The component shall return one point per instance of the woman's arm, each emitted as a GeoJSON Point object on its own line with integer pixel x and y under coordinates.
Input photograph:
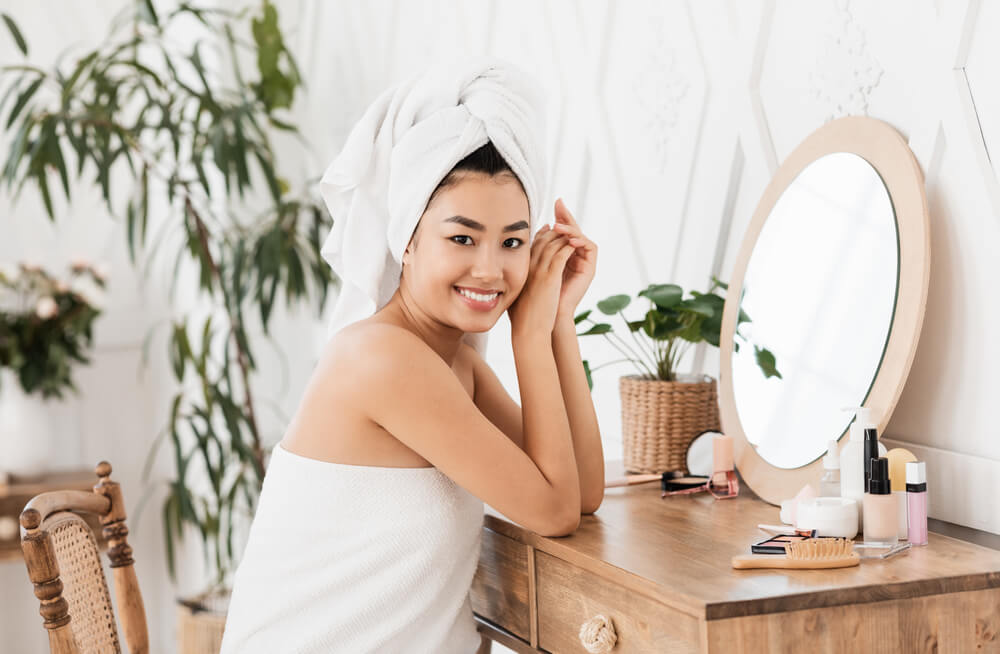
{"type": "Point", "coordinates": [580, 410]}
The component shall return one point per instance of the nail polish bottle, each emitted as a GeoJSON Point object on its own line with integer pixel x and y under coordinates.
{"type": "Point", "coordinates": [880, 521]}
{"type": "Point", "coordinates": [916, 502]}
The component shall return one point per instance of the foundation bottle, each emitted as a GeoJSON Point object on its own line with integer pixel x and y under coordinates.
{"type": "Point", "coordinates": [880, 519]}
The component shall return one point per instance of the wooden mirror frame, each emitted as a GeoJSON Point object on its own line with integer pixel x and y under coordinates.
{"type": "Point", "coordinates": [888, 153]}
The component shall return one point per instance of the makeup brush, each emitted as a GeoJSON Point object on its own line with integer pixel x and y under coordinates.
{"type": "Point", "coordinates": [814, 553]}
{"type": "Point", "coordinates": [628, 480]}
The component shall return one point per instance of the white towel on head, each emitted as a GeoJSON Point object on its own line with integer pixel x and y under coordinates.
{"type": "Point", "coordinates": [403, 146]}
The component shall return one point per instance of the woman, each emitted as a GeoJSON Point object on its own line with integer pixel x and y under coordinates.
{"type": "Point", "coordinates": [367, 532]}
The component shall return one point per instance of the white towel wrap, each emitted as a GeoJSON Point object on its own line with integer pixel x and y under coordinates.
{"type": "Point", "coordinates": [403, 146]}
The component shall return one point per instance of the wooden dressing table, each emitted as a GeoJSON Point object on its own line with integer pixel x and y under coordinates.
{"type": "Point", "coordinates": [660, 570]}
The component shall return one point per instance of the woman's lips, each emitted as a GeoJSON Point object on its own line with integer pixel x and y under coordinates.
{"type": "Point", "coordinates": [476, 304]}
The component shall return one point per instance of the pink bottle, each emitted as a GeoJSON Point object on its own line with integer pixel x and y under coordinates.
{"type": "Point", "coordinates": [916, 502]}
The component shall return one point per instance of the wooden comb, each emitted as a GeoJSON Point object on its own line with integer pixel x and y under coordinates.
{"type": "Point", "coordinates": [814, 553]}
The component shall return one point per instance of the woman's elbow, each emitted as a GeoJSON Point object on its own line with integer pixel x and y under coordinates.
{"type": "Point", "coordinates": [565, 527]}
{"type": "Point", "coordinates": [591, 502]}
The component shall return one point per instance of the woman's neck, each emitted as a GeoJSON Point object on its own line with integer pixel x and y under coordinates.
{"type": "Point", "coordinates": [403, 311]}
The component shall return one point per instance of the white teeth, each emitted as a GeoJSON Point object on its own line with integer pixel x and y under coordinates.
{"type": "Point", "coordinates": [477, 296]}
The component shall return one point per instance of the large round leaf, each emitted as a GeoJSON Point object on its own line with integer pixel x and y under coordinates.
{"type": "Point", "coordinates": [612, 305]}
{"type": "Point", "coordinates": [663, 295]}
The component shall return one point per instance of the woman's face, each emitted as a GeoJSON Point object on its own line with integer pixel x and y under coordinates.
{"type": "Point", "coordinates": [468, 259]}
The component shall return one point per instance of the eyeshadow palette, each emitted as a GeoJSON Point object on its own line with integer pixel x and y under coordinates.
{"type": "Point", "coordinates": [776, 544]}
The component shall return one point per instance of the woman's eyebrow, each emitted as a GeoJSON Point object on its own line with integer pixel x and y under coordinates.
{"type": "Point", "coordinates": [472, 224]}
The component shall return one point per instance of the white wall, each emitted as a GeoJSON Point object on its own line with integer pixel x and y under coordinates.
{"type": "Point", "coordinates": [669, 119]}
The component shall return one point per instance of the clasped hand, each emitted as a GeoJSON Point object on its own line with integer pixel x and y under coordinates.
{"type": "Point", "coordinates": [563, 263]}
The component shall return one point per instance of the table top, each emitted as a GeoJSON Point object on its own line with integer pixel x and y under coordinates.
{"type": "Point", "coordinates": [678, 549]}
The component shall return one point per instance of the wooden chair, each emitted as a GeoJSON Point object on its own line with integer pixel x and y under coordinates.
{"type": "Point", "coordinates": [64, 564]}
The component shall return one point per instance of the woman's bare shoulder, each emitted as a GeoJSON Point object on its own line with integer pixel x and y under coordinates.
{"type": "Point", "coordinates": [365, 343]}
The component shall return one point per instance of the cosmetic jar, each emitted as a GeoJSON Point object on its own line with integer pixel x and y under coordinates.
{"type": "Point", "coordinates": [834, 517]}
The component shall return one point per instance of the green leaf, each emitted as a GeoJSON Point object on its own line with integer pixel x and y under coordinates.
{"type": "Point", "coordinates": [586, 370]}
{"type": "Point", "coordinates": [691, 331]}
{"type": "Point", "coordinates": [23, 100]}
{"type": "Point", "coordinates": [272, 180]}
{"type": "Point", "coordinates": [55, 151]}
{"type": "Point", "coordinates": [171, 517]}
{"type": "Point", "coordinates": [718, 283]}
{"type": "Point", "coordinates": [599, 328]}
{"type": "Point", "coordinates": [16, 33]}
{"type": "Point", "coordinates": [81, 65]}
{"type": "Point", "coordinates": [661, 325]}
{"type": "Point", "coordinates": [611, 305]}
{"type": "Point", "coordinates": [765, 359]}
{"type": "Point", "coordinates": [43, 186]}
{"type": "Point", "coordinates": [635, 325]}
{"type": "Point", "coordinates": [698, 306]}
{"type": "Point", "coordinates": [148, 13]}
{"type": "Point", "coordinates": [130, 221]}
{"type": "Point", "coordinates": [664, 296]}
{"type": "Point", "coordinates": [280, 124]}
{"type": "Point", "coordinates": [581, 317]}
{"type": "Point", "coordinates": [180, 351]}
{"type": "Point", "coordinates": [711, 328]}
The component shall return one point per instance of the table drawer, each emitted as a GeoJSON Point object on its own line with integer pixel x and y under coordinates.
{"type": "Point", "coordinates": [500, 588]}
{"type": "Point", "coordinates": [569, 596]}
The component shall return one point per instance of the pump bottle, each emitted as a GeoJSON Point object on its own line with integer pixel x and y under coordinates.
{"type": "Point", "coordinates": [852, 459]}
{"type": "Point", "coordinates": [829, 484]}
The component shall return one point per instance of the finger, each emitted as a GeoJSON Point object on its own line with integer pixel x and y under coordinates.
{"type": "Point", "coordinates": [585, 244]}
{"type": "Point", "coordinates": [550, 250]}
{"type": "Point", "coordinates": [563, 228]}
{"type": "Point", "coordinates": [563, 214]}
{"type": "Point", "coordinates": [539, 245]}
{"type": "Point", "coordinates": [560, 258]}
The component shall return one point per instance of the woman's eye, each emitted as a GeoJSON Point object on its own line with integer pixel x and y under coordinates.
{"type": "Point", "coordinates": [517, 242]}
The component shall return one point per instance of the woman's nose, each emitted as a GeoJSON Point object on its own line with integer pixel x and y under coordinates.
{"type": "Point", "coordinates": [487, 264]}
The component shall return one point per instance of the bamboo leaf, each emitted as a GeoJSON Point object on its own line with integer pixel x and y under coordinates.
{"type": "Point", "coordinates": [43, 186]}
{"type": "Point", "coordinates": [23, 100]}
{"type": "Point", "coordinates": [81, 65]}
{"type": "Point", "coordinates": [148, 13]}
{"type": "Point", "coordinates": [272, 180]}
{"type": "Point", "coordinates": [16, 33]}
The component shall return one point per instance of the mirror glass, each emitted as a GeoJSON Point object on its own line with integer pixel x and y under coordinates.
{"type": "Point", "coordinates": [819, 293]}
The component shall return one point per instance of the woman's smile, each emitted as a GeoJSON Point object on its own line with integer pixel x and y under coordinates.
{"type": "Point", "coordinates": [478, 300]}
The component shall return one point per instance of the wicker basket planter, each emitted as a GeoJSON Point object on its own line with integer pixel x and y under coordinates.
{"type": "Point", "coordinates": [200, 623]}
{"type": "Point", "coordinates": [661, 418]}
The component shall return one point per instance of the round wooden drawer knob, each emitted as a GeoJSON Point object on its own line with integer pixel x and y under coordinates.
{"type": "Point", "coordinates": [598, 635]}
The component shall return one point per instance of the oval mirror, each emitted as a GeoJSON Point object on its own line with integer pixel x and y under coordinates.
{"type": "Point", "coordinates": [830, 281]}
{"type": "Point", "coordinates": [819, 291]}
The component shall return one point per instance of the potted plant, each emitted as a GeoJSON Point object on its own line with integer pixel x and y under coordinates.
{"type": "Point", "coordinates": [195, 139]}
{"type": "Point", "coordinates": [663, 410]}
{"type": "Point", "coordinates": [46, 328]}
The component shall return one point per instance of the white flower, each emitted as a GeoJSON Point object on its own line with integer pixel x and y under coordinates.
{"type": "Point", "coordinates": [79, 264]}
{"type": "Point", "coordinates": [88, 290]}
{"type": "Point", "coordinates": [9, 273]}
{"type": "Point", "coordinates": [102, 271]}
{"type": "Point", "coordinates": [46, 308]}
{"type": "Point", "coordinates": [61, 286]}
